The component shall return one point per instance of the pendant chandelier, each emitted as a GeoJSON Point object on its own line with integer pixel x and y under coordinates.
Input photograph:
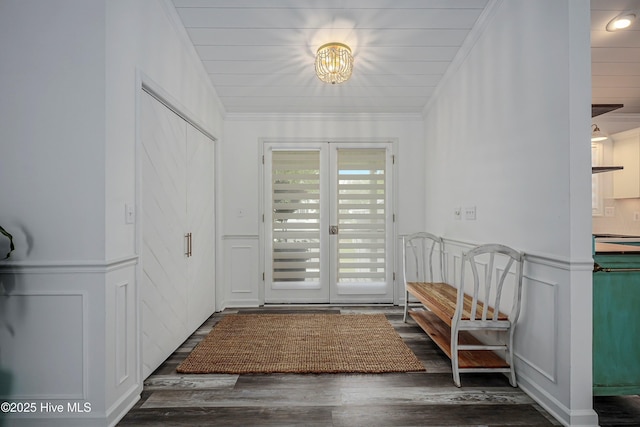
{"type": "Point", "coordinates": [334, 63]}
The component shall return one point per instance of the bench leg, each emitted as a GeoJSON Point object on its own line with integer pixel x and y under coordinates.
{"type": "Point", "coordinates": [454, 357]}
{"type": "Point", "coordinates": [509, 356]}
{"type": "Point", "coordinates": [406, 306]}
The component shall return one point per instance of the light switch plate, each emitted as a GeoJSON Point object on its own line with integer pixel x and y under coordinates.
{"type": "Point", "coordinates": [457, 213]}
{"type": "Point", "coordinates": [129, 214]}
{"type": "Point", "coordinates": [609, 211]}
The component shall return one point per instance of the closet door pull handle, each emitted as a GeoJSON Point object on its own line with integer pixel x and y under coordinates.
{"type": "Point", "coordinates": [190, 244]}
{"type": "Point", "coordinates": [188, 241]}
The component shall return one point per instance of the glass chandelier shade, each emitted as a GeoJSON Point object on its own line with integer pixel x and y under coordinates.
{"type": "Point", "coordinates": [334, 63]}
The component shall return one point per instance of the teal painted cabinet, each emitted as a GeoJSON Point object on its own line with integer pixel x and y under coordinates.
{"type": "Point", "coordinates": [616, 325]}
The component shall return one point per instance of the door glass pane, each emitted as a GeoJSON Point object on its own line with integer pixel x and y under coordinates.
{"type": "Point", "coordinates": [361, 215]}
{"type": "Point", "coordinates": [296, 216]}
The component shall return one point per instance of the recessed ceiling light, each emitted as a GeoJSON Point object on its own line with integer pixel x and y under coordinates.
{"type": "Point", "coordinates": [622, 21]}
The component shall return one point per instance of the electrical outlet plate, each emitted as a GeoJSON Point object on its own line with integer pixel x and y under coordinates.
{"type": "Point", "coordinates": [470, 213]}
{"type": "Point", "coordinates": [610, 211]}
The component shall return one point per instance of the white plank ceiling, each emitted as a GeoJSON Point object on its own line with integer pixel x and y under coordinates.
{"type": "Point", "coordinates": [615, 56]}
{"type": "Point", "coordinates": [259, 53]}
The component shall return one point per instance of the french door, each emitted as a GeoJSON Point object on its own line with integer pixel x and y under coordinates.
{"type": "Point", "coordinates": [328, 223]}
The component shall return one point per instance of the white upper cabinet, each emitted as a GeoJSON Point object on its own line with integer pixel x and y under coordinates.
{"type": "Point", "coordinates": [626, 153]}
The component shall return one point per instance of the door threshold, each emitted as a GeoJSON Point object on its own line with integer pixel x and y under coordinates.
{"type": "Point", "coordinates": [315, 305]}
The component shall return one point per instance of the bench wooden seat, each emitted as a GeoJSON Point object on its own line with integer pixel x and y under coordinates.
{"type": "Point", "coordinates": [449, 316]}
{"type": "Point", "coordinates": [441, 298]}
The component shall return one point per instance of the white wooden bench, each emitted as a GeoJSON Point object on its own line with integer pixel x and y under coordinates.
{"type": "Point", "coordinates": [452, 315]}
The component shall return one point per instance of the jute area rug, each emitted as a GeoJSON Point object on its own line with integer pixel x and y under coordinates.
{"type": "Point", "coordinates": [301, 343]}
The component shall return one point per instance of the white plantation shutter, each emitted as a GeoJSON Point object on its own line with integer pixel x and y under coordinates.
{"type": "Point", "coordinates": [361, 215]}
{"type": "Point", "coordinates": [296, 216]}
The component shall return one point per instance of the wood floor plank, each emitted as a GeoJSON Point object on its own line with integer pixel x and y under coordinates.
{"type": "Point", "coordinates": [178, 382]}
{"type": "Point", "coordinates": [433, 396]}
{"type": "Point", "coordinates": [618, 410]}
{"type": "Point", "coordinates": [261, 397]}
{"type": "Point", "coordinates": [438, 415]}
{"type": "Point", "coordinates": [395, 399]}
{"type": "Point", "coordinates": [258, 416]}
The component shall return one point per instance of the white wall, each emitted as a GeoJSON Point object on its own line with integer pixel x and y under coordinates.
{"type": "Point", "coordinates": [241, 177]}
{"type": "Point", "coordinates": [52, 128]}
{"type": "Point", "coordinates": [141, 38]}
{"type": "Point", "coordinates": [70, 76]}
{"type": "Point", "coordinates": [509, 131]}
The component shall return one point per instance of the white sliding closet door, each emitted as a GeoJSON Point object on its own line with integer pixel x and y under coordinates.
{"type": "Point", "coordinates": [164, 179]}
{"type": "Point", "coordinates": [177, 289]}
{"type": "Point", "coordinates": [200, 214]}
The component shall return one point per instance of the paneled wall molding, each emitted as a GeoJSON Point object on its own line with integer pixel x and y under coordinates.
{"type": "Point", "coordinates": [241, 303]}
{"type": "Point", "coordinates": [67, 267]}
{"type": "Point", "coordinates": [551, 376]}
{"type": "Point", "coordinates": [242, 271]}
{"type": "Point", "coordinates": [541, 291]}
{"type": "Point", "coordinates": [78, 301]}
{"type": "Point", "coordinates": [562, 263]}
{"type": "Point", "coordinates": [549, 260]}
{"type": "Point", "coordinates": [240, 236]}
{"type": "Point", "coordinates": [550, 290]}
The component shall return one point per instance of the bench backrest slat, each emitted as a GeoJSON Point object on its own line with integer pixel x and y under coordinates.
{"type": "Point", "coordinates": [425, 251]}
{"type": "Point", "coordinates": [486, 298]}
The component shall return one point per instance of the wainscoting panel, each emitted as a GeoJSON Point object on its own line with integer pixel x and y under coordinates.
{"type": "Point", "coordinates": [68, 336]}
{"type": "Point", "coordinates": [242, 278]}
{"type": "Point", "coordinates": [122, 356]}
{"type": "Point", "coordinates": [543, 354]}
{"type": "Point", "coordinates": [44, 329]}
{"type": "Point", "coordinates": [121, 348]}
{"type": "Point", "coordinates": [536, 336]}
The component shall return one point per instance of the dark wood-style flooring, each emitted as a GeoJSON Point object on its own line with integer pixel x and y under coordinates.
{"type": "Point", "coordinates": [405, 399]}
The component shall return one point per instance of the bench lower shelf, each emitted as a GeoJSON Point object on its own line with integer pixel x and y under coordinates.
{"type": "Point", "coordinates": [440, 333]}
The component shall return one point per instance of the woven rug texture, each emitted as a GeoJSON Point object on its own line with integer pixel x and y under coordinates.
{"type": "Point", "coordinates": [301, 343]}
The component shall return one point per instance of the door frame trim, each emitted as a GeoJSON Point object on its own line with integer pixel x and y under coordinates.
{"type": "Point", "coordinates": [262, 143]}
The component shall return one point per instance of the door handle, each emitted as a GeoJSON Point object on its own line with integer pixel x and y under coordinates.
{"type": "Point", "coordinates": [333, 229]}
{"type": "Point", "coordinates": [189, 240]}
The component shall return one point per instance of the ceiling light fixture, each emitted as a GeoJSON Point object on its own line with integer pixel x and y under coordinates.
{"type": "Point", "coordinates": [334, 63]}
{"type": "Point", "coordinates": [622, 21]}
{"type": "Point", "coordinates": [597, 135]}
